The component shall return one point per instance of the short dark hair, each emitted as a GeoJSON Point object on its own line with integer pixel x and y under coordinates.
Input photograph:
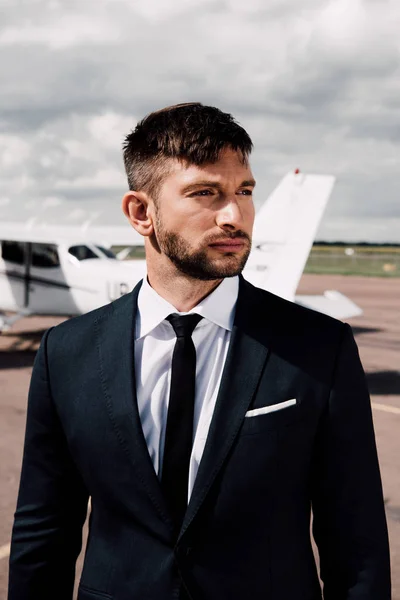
{"type": "Point", "coordinates": [190, 132]}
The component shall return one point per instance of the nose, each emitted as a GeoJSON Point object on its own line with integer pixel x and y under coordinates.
{"type": "Point", "coordinates": [230, 217]}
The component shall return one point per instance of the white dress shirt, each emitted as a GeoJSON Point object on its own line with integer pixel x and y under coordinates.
{"type": "Point", "coordinates": [154, 343]}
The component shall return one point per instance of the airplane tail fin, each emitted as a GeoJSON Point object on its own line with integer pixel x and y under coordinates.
{"type": "Point", "coordinates": [284, 231]}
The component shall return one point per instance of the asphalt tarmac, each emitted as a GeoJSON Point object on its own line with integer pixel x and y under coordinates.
{"type": "Point", "coordinates": [377, 333]}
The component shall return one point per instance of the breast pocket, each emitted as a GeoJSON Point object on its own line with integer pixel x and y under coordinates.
{"type": "Point", "coordinates": [278, 415]}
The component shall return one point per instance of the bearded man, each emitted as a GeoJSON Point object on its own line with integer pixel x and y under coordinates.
{"type": "Point", "coordinates": [204, 417]}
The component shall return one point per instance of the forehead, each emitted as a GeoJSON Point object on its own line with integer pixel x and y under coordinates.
{"type": "Point", "coordinates": [229, 167]}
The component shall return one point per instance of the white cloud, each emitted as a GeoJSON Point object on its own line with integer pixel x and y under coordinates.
{"type": "Point", "coordinates": [64, 34]}
{"type": "Point", "coordinates": [155, 10]}
{"type": "Point", "coordinates": [14, 151]}
{"type": "Point", "coordinates": [107, 178]}
{"type": "Point", "coordinates": [110, 128]}
{"type": "Point", "coordinates": [55, 25]}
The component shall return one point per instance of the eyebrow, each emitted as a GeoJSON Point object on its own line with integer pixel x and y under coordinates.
{"type": "Point", "coordinates": [215, 184]}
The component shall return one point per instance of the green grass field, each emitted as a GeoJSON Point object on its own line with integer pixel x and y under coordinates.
{"type": "Point", "coordinates": [369, 261]}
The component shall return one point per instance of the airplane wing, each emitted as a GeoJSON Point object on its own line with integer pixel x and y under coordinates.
{"type": "Point", "coordinates": [332, 303]}
{"type": "Point", "coordinates": [56, 234]}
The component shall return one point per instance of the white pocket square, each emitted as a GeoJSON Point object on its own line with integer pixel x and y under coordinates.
{"type": "Point", "coordinates": [272, 408]}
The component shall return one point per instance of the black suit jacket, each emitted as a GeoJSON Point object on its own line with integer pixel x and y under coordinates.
{"type": "Point", "coordinates": [246, 533]}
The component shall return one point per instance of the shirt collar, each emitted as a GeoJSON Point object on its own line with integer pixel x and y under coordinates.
{"type": "Point", "coordinates": [218, 307]}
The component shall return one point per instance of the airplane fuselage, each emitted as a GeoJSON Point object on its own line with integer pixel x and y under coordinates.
{"type": "Point", "coordinates": [62, 279]}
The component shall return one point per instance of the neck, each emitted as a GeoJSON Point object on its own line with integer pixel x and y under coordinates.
{"type": "Point", "coordinates": [180, 290]}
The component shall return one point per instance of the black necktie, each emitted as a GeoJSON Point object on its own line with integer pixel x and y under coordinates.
{"type": "Point", "coordinates": [179, 432]}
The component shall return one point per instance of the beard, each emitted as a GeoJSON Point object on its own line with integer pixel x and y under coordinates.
{"type": "Point", "coordinates": [196, 263]}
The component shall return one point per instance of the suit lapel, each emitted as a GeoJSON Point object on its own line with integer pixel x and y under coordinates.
{"type": "Point", "coordinates": [115, 346]}
{"type": "Point", "coordinates": [243, 368]}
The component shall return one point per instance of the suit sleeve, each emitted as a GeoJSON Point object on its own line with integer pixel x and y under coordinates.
{"type": "Point", "coordinates": [349, 523]}
{"type": "Point", "coordinates": [52, 502]}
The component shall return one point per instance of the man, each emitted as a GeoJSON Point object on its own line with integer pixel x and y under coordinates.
{"type": "Point", "coordinates": [203, 416]}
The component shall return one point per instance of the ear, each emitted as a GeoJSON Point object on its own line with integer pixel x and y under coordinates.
{"type": "Point", "coordinates": [135, 207]}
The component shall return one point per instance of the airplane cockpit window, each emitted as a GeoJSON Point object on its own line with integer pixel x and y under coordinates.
{"type": "Point", "coordinates": [13, 252]}
{"type": "Point", "coordinates": [106, 251]}
{"type": "Point", "coordinates": [45, 255]}
{"type": "Point", "coordinates": [82, 252]}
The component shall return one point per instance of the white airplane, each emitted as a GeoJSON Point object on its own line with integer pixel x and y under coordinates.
{"type": "Point", "coordinates": [67, 270]}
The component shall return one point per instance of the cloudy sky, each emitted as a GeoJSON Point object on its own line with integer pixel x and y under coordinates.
{"type": "Point", "coordinates": [315, 82]}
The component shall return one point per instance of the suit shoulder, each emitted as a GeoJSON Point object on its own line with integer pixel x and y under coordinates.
{"type": "Point", "coordinates": [69, 334]}
{"type": "Point", "coordinates": [300, 336]}
{"type": "Point", "coordinates": [294, 318]}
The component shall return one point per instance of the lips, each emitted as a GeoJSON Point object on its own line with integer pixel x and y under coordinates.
{"type": "Point", "coordinates": [228, 245]}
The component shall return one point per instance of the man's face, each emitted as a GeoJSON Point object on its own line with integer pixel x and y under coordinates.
{"type": "Point", "coordinates": [203, 217]}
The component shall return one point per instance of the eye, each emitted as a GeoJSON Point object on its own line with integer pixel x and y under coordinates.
{"type": "Point", "coordinates": [201, 193]}
{"type": "Point", "coordinates": [246, 192]}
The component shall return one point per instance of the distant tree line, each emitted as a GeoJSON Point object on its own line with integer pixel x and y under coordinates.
{"type": "Point", "coordinates": [364, 244]}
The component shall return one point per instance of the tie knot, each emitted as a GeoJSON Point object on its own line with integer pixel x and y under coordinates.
{"type": "Point", "coordinates": [184, 325]}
